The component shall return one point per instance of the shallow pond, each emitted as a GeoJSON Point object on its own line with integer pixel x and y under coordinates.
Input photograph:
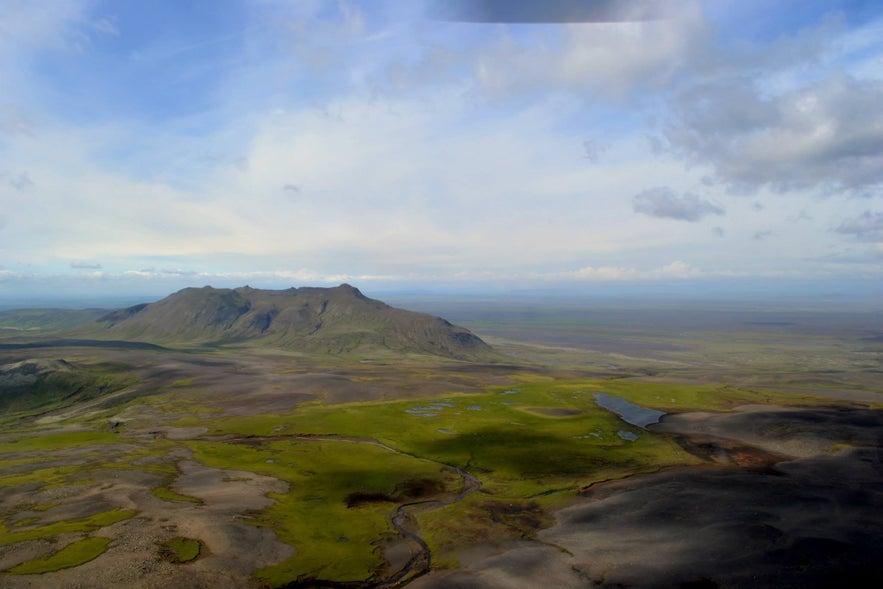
{"type": "Point", "coordinates": [628, 412]}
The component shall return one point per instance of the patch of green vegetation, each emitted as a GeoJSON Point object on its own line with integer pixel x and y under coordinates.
{"type": "Point", "coordinates": [332, 540]}
{"type": "Point", "coordinates": [50, 476]}
{"type": "Point", "coordinates": [184, 402]}
{"type": "Point", "coordinates": [491, 434]}
{"type": "Point", "coordinates": [43, 506]}
{"type": "Point", "coordinates": [678, 397]}
{"type": "Point", "coordinates": [60, 384]}
{"type": "Point", "coordinates": [11, 464]}
{"type": "Point", "coordinates": [146, 459]}
{"type": "Point", "coordinates": [167, 494]}
{"type": "Point", "coordinates": [59, 441]}
{"type": "Point", "coordinates": [483, 519]}
{"type": "Point", "coordinates": [86, 524]}
{"type": "Point", "coordinates": [180, 550]}
{"type": "Point", "coordinates": [54, 469]}
{"type": "Point", "coordinates": [72, 555]}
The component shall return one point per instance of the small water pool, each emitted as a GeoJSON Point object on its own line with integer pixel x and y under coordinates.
{"type": "Point", "coordinates": [629, 412]}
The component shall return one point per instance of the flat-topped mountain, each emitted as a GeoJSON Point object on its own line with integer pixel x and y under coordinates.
{"type": "Point", "coordinates": [328, 320]}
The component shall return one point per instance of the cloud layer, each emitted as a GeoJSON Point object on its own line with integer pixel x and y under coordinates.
{"type": "Point", "coordinates": [866, 227]}
{"type": "Point", "coordinates": [825, 136]}
{"type": "Point", "coordinates": [316, 140]}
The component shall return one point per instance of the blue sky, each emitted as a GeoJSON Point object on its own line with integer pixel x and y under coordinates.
{"type": "Point", "coordinates": [145, 147]}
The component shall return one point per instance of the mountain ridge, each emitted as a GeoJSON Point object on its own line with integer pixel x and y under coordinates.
{"type": "Point", "coordinates": [337, 320]}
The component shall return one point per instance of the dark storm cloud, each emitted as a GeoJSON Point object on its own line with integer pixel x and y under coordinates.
{"type": "Point", "coordinates": [664, 203]}
{"type": "Point", "coordinates": [866, 227]}
{"type": "Point", "coordinates": [550, 11]}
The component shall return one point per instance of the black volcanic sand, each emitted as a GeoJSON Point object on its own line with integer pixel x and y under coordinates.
{"type": "Point", "coordinates": [814, 521]}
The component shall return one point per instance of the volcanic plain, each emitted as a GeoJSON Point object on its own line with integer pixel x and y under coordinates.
{"type": "Point", "coordinates": [319, 438]}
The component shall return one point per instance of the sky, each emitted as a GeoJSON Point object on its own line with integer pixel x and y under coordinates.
{"type": "Point", "coordinates": [400, 144]}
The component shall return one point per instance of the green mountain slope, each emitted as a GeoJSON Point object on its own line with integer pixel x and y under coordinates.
{"type": "Point", "coordinates": [338, 320]}
{"type": "Point", "coordinates": [41, 383]}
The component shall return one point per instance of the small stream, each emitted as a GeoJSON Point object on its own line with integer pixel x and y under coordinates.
{"type": "Point", "coordinates": [421, 562]}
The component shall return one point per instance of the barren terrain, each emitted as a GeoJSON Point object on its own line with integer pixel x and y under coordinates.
{"type": "Point", "coordinates": [302, 470]}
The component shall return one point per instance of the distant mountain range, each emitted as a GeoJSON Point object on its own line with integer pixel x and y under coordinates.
{"type": "Point", "coordinates": [339, 320]}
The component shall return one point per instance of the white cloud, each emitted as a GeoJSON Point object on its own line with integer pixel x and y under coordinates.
{"type": "Point", "coordinates": [796, 120]}
{"type": "Point", "coordinates": [675, 270]}
{"type": "Point", "coordinates": [603, 273]}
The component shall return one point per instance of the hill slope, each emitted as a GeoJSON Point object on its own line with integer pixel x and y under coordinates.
{"type": "Point", "coordinates": [37, 321]}
{"type": "Point", "coordinates": [41, 383]}
{"type": "Point", "coordinates": [326, 320]}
